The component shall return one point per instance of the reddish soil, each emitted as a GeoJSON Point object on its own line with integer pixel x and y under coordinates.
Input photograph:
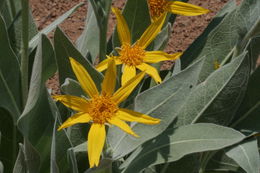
{"type": "Point", "coordinates": [185, 30]}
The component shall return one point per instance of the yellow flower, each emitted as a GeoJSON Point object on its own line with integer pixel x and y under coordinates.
{"type": "Point", "coordinates": [102, 108]}
{"type": "Point", "coordinates": [159, 7]}
{"type": "Point", "coordinates": [134, 56]}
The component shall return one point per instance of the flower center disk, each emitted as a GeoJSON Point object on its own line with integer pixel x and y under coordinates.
{"type": "Point", "coordinates": [131, 55]}
{"type": "Point", "coordinates": [102, 108]}
{"type": "Point", "coordinates": [157, 7]}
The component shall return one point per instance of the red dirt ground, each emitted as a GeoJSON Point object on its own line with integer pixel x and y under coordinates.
{"type": "Point", "coordinates": [186, 29]}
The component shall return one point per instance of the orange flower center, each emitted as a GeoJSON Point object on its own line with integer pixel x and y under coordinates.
{"type": "Point", "coordinates": [157, 7]}
{"type": "Point", "coordinates": [102, 108]}
{"type": "Point", "coordinates": [131, 55]}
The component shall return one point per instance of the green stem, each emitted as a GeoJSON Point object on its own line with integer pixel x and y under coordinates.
{"type": "Point", "coordinates": [24, 51]}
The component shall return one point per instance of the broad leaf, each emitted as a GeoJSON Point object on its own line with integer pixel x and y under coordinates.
{"type": "Point", "coordinates": [89, 39]}
{"type": "Point", "coordinates": [217, 98]}
{"type": "Point", "coordinates": [197, 46]}
{"type": "Point", "coordinates": [36, 121]}
{"type": "Point", "coordinates": [20, 164]}
{"type": "Point", "coordinates": [248, 114]}
{"type": "Point", "coordinates": [60, 145]}
{"type": "Point", "coordinates": [246, 155]}
{"type": "Point", "coordinates": [227, 36]}
{"type": "Point", "coordinates": [9, 140]}
{"type": "Point", "coordinates": [166, 103]}
{"type": "Point", "coordinates": [221, 162]}
{"type": "Point", "coordinates": [16, 28]}
{"type": "Point", "coordinates": [1, 167]}
{"type": "Point", "coordinates": [72, 87]}
{"type": "Point", "coordinates": [65, 49]}
{"type": "Point", "coordinates": [9, 77]}
{"type": "Point", "coordinates": [173, 144]}
{"type": "Point", "coordinates": [34, 41]}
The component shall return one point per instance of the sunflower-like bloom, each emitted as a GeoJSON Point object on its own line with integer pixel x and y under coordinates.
{"type": "Point", "coordinates": [102, 108]}
{"type": "Point", "coordinates": [134, 56]}
{"type": "Point", "coordinates": [162, 7]}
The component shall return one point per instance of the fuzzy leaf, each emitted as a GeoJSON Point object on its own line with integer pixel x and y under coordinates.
{"type": "Point", "coordinates": [246, 155]}
{"type": "Point", "coordinates": [248, 114]}
{"type": "Point", "coordinates": [197, 46]}
{"type": "Point", "coordinates": [227, 36]}
{"type": "Point", "coordinates": [218, 97]}
{"type": "Point", "coordinates": [221, 162]}
{"type": "Point", "coordinates": [59, 146]}
{"type": "Point", "coordinates": [34, 41]}
{"type": "Point", "coordinates": [65, 49]}
{"type": "Point", "coordinates": [20, 164]}
{"type": "Point", "coordinates": [9, 77]}
{"type": "Point", "coordinates": [174, 90]}
{"type": "Point", "coordinates": [88, 42]}
{"type": "Point", "coordinates": [37, 120]}
{"type": "Point", "coordinates": [180, 142]}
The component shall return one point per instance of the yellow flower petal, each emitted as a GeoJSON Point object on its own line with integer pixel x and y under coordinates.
{"type": "Point", "coordinates": [109, 82]}
{"type": "Point", "coordinates": [186, 9]}
{"type": "Point", "coordinates": [150, 71]}
{"type": "Point", "coordinates": [157, 56]}
{"type": "Point", "coordinates": [96, 141]}
{"type": "Point", "coordinates": [122, 125]}
{"type": "Point", "coordinates": [80, 117]}
{"type": "Point", "coordinates": [73, 102]}
{"type": "Point", "coordinates": [84, 78]}
{"type": "Point", "coordinates": [122, 93]}
{"type": "Point", "coordinates": [151, 32]}
{"type": "Point", "coordinates": [103, 65]}
{"type": "Point", "coordinates": [122, 27]}
{"type": "Point", "coordinates": [129, 115]}
{"type": "Point", "coordinates": [128, 73]}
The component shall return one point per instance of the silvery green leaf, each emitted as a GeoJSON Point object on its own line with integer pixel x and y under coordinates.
{"type": "Point", "coordinates": [89, 39]}
{"type": "Point", "coordinates": [174, 144]}
{"type": "Point", "coordinates": [217, 98]}
{"type": "Point", "coordinates": [162, 38]}
{"type": "Point", "coordinates": [227, 37]}
{"type": "Point", "coordinates": [194, 50]}
{"type": "Point", "coordinates": [72, 87]}
{"type": "Point", "coordinates": [65, 49]}
{"type": "Point", "coordinates": [72, 161]}
{"type": "Point", "coordinates": [36, 121]}
{"type": "Point", "coordinates": [168, 98]}
{"type": "Point", "coordinates": [9, 139]}
{"type": "Point", "coordinates": [221, 162]}
{"type": "Point", "coordinates": [59, 146]}
{"type": "Point", "coordinates": [20, 164]}
{"type": "Point", "coordinates": [1, 167]}
{"type": "Point", "coordinates": [9, 77]}
{"type": "Point", "coordinates": [34, 41]}
{"type": "Point", "coordinates": [246, 155]}
{"type": "Point", "coordinates": [247, 114]}
{"type": "Point", "coordinates": [15, 28]}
